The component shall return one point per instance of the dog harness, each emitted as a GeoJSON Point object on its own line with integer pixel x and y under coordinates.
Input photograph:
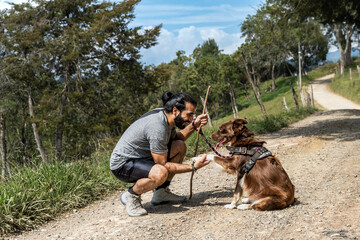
{"type": "Point", "coordinates": [256, 153]}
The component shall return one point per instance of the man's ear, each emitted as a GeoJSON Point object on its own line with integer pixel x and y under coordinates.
{"type": "Point", "coordinates": [175, 111]}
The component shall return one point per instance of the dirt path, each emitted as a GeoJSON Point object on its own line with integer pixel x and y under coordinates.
{"type": "Point", "coordinates": [320, 154]}
{"type": "Point", "coordinates": [328, 99]}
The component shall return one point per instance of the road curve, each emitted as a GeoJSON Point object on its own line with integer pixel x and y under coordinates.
{"type": "Point", "coordinates": [327, 98]}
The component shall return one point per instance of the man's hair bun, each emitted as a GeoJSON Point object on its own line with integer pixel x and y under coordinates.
{"type": "Point", "coordinates": [166, 97]}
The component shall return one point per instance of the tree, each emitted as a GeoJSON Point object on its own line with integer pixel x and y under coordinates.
{"type": "Point", "coordinates": [340, 15]}
{"type": "Point", "coordinates": [78, 63]}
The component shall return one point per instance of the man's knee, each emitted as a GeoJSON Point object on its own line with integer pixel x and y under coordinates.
{"type": "Point", "coordinates": [178, 147]}
{"type": "Point", "coordinates": [159, 174]}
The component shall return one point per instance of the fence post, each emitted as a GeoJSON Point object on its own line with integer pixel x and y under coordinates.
{"type": "Point", "coordinates": [285, 107]}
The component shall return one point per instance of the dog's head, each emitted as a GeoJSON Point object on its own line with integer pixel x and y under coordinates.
{"type": "Point", "coordinates": [231, 132]}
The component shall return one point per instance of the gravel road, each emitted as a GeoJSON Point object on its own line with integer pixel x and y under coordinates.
{"type": "Point", "coordinates": [320, 155]}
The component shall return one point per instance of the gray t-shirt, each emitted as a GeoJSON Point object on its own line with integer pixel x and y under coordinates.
{"type": "Point", "coordinates": [150, 133]}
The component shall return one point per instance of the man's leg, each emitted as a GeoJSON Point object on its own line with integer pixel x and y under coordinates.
{"type": "Point", "coordinates": [162, 193]}
{"type": "Point", "coordinates": [157, 176]}
{"type": "Point", "coordinates": [147, 176]}
{"type": "Point", "coordinates": [177, 154]}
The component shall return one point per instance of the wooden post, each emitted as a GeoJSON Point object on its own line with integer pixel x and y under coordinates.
{"type": "Point", "coordinates": [286, 109]}
{"type": "Point", "coordinates": [312, 97]}
{"type": "Point", "coordinates": [299, 52]}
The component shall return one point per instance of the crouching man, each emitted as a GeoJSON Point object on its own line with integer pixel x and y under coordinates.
{"type": "Point", "coordinates": [151, 152]}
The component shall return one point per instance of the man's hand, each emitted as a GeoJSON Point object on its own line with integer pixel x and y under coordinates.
{"type": "Point", "coordinates": [201, 120]}
{"type": "Point", "coordinates": [199, 163]}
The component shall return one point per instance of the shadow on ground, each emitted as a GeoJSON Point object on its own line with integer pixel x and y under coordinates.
{"type": "Point", "coordinates": [344, 126]}
{"type": "Point", "coordinates": [198, 199]}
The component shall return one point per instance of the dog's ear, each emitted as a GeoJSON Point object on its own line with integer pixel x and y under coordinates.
{"type": "Point", "coordinates": [239, 123]}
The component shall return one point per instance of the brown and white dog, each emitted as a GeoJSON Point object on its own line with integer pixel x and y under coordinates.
{"type": "Point", "coordinates": [267, 186]}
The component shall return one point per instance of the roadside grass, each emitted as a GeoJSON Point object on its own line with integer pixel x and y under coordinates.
{"type": "Point", "coordinates": [38, 194]}
{"type": "Point", "coordinates": [322, 71]}
{"type": "Point", "coordinates": [349, 88]}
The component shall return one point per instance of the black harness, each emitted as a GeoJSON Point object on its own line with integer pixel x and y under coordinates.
{"type": "Point", "coordinates": [256, 153]}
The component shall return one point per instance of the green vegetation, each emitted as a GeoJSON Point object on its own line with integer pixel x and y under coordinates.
{"type": "Point", "coordinates": [349, 88]}
{"type": "Point", "coordinates": [322, 71]}
{"type": "Point", "coordinates": [37, 194]}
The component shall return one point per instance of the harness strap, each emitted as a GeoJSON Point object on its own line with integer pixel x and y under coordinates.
{"type": "Point", "coordinates": [261, 152]}
{"type": "Point", "coordinates": [240, 150]}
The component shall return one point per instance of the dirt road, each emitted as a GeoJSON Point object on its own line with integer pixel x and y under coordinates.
{"type": "Point", "coordinates": [321, 156]}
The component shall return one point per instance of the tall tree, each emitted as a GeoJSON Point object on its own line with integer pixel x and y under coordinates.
{"type": "Point", "coordinates": [78, 63]}
{"type": "Point", "coordinates": [340, 15]}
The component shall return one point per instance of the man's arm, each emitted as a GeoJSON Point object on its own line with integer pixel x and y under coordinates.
{"type": "Point", "coordinates": [185, 133]}
{"type": "Point", "coordinates": [178, 167]}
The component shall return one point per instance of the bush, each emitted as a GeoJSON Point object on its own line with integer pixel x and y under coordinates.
{"type": "Point", "coordinates": [37, 194]}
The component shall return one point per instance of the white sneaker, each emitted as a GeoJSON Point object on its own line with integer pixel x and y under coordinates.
{"type": "Point", "coordinates": [133, 204]}
{"type": "Point", "coordinates": [164, 195]}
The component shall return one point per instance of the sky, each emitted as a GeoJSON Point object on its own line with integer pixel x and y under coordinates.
{"type": "Point", "coordinates": [186, 24]}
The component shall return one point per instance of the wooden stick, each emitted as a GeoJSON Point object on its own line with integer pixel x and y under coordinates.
{"type": "Point", "coordinates": [197, 141]}
{"type": "Point", "coordinates": [197, 134]}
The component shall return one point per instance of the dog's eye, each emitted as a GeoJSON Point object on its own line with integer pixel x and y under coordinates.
{"type": "Point", "coordinates": [223, 131]}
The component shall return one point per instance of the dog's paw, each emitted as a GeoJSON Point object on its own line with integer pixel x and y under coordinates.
{"type": "Point", "coordinates": [245, 200]}
{"type": "Point", "coordinates": [210, 157]}
{"type": "Point", "coordinates": [243, 206]}
{"type": "Point", "coordinates": [230, 206]}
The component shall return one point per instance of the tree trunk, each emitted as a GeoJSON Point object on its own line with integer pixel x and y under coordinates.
{"type": "Point", "coordinates": [359, 44]}
{"type": "Point", "coordinates": [287, 66]}
{"type": "Point", "coordinates": [207, 112]}
{"type": "Point", "coordinates": [253, 86]}
{"type": "Point", "coordinates": [2, 147]}
{"type": "Point", "coordinates": [295, 96]}
{"type": "Point", "coordinates": [233, 101]}
{"type": "Point", "coordinates": [343, 36]}
{"type": "Point", "coordinates": [246, 92]}
{"type": "Point", "coordinates": [36, 133]}
{"type": "Point", "coordinates": [60, 129]}
{"type": "Point", "coordinates": [273, 86]}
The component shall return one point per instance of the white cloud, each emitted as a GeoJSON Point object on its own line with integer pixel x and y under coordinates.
{"type": "Point", "coordinates": [187, 39]}
{"type": "Point", "coordinates": [4, 4]}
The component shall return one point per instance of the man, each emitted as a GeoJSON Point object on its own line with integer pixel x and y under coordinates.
{"type": "Point", "coordinates": [151, 152]}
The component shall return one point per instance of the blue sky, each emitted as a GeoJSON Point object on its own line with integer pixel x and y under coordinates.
{"type": "Point", "coordinates": [187, 24]}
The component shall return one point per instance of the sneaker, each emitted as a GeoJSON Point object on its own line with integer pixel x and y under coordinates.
{"type": "Point", "coordinates": [163, 195]}
{"type": "Point", "coordinates": [133, 204]}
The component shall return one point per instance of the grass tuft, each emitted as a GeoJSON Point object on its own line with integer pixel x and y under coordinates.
{"type": "Point", "coordinates": [37, 194]}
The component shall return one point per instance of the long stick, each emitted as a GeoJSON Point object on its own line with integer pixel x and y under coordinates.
{"type": "Point", "coordinates": [197, 134]}
{"type": "Point", "coordinates": [197, 141]}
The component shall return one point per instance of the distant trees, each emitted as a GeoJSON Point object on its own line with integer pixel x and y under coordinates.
{"type": "Point", "coordinates": [340, 16]}
{"type": "Point", "coordinates": [70, 71]}
{"type": "Point", "coordinates": [271, 41]}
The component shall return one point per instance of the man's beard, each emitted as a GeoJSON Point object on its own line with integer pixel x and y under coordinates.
{"type": "Point", "coordinates": [179, 121]}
